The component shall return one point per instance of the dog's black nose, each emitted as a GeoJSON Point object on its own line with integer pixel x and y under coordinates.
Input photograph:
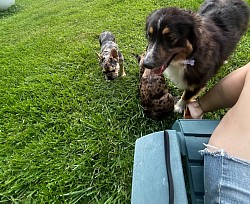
{"type": "Point", "coordinates": [148, 64]}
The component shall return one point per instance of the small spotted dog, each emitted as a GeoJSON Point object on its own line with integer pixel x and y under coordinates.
{"type": "Point", "coordinates": [110, 59]}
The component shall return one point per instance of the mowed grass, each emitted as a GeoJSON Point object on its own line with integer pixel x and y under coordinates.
{"type": "Point", "coordinates": [67, 135]}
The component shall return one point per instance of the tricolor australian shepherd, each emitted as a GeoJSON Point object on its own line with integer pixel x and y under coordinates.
{"type": "Point", "coordinates": [190, 47]}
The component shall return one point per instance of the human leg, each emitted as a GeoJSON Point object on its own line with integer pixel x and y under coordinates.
{"type": "Point", "coordinates": [226, 178]}
{"type": "Point", "coordinates": [227, 156]}
{"type": "Point", "coordinates": [233, 132]}
{"type": "Point", "coordinates": [223, 95]}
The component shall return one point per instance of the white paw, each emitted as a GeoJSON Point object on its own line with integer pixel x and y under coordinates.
{"type": "Point", "coordinates": [177, 109]}
{"type": "Point", "coordinates": [179, 106]}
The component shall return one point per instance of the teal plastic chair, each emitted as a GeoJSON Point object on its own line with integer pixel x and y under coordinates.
{"type": "Point", "coordinates": [150, 184]}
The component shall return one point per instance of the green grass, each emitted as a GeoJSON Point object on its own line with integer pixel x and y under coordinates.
{"type": "Point", "coordinates": [66, 135]}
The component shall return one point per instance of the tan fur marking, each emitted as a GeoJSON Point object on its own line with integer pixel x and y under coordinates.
{"type": "Point", "coordinates": [165, 31]}
{"type": "Point", "coordinates": [151, 30]}
{"type": "Point", "coordinates": [189, 46]}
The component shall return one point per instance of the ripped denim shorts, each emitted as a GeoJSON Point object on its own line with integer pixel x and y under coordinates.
{"type": "Point", "coordinates": [226, 178]}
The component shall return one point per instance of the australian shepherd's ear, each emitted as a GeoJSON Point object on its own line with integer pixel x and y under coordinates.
{"type": "Point", "coordinates": [194, 31]}
{"type": "Point", "coordinates": [189, 27]}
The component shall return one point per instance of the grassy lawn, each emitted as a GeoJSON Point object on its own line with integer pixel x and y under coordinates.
{"type": "Point", "coordinates": [67, 135]}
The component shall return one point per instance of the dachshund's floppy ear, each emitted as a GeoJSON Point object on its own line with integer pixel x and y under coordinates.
{"type": "Point", "coordinates": [114, 53]}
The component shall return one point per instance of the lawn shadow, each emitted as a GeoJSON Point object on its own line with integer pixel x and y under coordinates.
{"type": "Point", "coordinates": [9, 12]}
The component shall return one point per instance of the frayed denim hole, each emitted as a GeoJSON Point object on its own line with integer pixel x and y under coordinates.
{"type": "Point", "coordinates": [209, 151]}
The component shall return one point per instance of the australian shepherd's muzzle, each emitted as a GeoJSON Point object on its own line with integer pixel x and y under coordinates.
{"type": "Point", "coordinates": [190, 47]}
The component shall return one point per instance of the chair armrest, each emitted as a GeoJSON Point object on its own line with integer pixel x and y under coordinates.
{"type": "Point", "coordinates": [150, 182]}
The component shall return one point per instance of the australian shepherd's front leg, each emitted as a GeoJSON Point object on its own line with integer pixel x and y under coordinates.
{"type": "Point", "coordinates": [187, 96]}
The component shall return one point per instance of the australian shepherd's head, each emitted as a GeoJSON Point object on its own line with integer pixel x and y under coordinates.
{"type": "Point", "coordinates": [171, 33]}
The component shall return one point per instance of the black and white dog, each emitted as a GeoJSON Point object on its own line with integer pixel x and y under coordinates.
{"type": "Point", "coordinates": [190, 47]}
{"type": "Point", "coordinates": [110, 59]}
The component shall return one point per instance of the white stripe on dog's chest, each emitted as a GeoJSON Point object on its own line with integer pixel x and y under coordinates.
{"type": "Point", "coordinates": [176, 73]}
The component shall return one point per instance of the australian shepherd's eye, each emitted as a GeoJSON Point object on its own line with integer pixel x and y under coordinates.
{"type": "Point", "coordinates": [171, 38]}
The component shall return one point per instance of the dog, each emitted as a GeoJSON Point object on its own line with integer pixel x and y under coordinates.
{"type": "Point", "coordinates": [190, 47]}
{"type": "Point", "coordinates": [111, 59]}
{"type": "Point", "coordinates": [155, 98]}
